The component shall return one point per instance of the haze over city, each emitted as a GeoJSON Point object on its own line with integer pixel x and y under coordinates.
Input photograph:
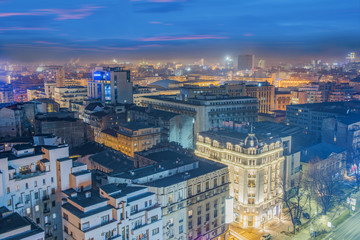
{"type": "Point", "coordinates": [180, 120]}
{"type": "Point", "coordinates": [177, 30]}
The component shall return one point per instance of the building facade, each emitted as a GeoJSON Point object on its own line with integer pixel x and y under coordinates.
{"type": "Point", "coordinates": [117, 212]}
{"type": "Point", "coordinates": [65, 95]}
{"type": "Point", "coordinates": [29, 185]}
{"type": "Point", "coordinates": [255, 170]}
{"type": "Point", "coordinates": [265, 95]}
{"type": "Point", "coordinates": [111, 85]}
{"type": "Point", "coordinates": [130, 138]}
{"type": "Point", "coordinates": [6, 93]}
{"type": "Point", "coordinates": [193, 194]}
{"type": "Point", "coordinates": [208, 112]}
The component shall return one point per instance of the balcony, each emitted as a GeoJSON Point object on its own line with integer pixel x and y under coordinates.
{"type": "Point", "coordinates": [26, 175]}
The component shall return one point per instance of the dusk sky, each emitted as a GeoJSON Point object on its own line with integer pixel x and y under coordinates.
{"type": "Point", "coordinates": [39, 30]}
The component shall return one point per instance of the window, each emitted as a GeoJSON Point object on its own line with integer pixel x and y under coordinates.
{"type": "Point", "coordinates": [215, 213]}
{"type": "Point", "coordinates": [199, 221]}
{"type": "Point", "coordinates": [37, 208]}
{"type": "Point", "coordinates": [105, 219]}
{"type": "Point", "coordinates": [207, 185]}
{"type": "Point", "coordinates": [8, 189]}
{"type": "Point", "coordinates": [44, 182]}
{"type": "Point", "coordinates": [37, 220]}
{"type": "Point", "coordinates": [189, 191]}
{"type": "Point", "coordinates": [207, 217]}
{"type": "Point", "coordinates": [26, 186]}
{"type": "Point", "coordinates": [85, 226]}
{"type": "Point", "coordinates": [53, 203]}
{"type": "Point", "coordinates": [207, 206]}
{"type": "Point", "coordinates": [215, 182]}
{"type": "Point", "coordinates": [223, 180]}
{"type": "Point", "coordinates": [36, 195]}
{"type": "Point", "coordinates": [54, 215]}
{"type": "Point", "coordinates": [199, 210]}
{"type": "Point", "coordinates": [198, 188]}
{"type": "Point", "coordinates": [181, 229]}
{"type": "Point", "coordinates": [52, 179]}
{"type": "Point", "coordinates": [190, 224]}
{"type": "Point", "coordinates": [66, 229]}
{"type": "Point", "coordinates": [155, 231]}
{"type": "Point", "coordinates": [52, 190]}
{"type": "Point", "coordinates": [190, 213]}
{"type": "Point", "coordinates": [28, 211]}
{"type": "Point", "coordinates": [35, 183]}
{"type": "Point", "coordinates": [66, 217]}
{"type": "Point", "coordinates": [146, 203]}
{"type": "Point", "coordinates": [170, 198]}
{"type": "Point", "coordinates": [9, 202]}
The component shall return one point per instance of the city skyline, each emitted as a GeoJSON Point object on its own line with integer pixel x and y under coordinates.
{"type": "Point", "coordinates": [177, 29]}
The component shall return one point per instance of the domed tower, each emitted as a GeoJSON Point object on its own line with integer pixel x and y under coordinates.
{"type": "Point", "coordinates": [251, 141]}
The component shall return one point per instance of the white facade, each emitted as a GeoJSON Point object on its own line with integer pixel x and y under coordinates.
{"type": "Point", "coordinates": [113, 212]}
{"type": "Point", "coordinates": [192, 195]}
{"type": "Point", "coordinates": [256, 169]}
{"type": "Point", "coordinates": [65, 95]}
{"type": "Point", "coordinates": [49, 88]}
{"type": "Point", "coordinates": [28, 184]}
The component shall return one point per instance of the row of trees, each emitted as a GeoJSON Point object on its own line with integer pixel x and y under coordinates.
{"type": "Point", "coordinates": [319, 184]}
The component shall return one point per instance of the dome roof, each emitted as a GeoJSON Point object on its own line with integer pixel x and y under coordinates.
{"type": "Point", "coordinates": [251, 141]}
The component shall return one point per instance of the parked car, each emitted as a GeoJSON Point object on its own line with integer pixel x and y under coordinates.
{"type": "Point", "coordinates": [306, 215]}
{"type": "Point", "coordinates": [266, 237]}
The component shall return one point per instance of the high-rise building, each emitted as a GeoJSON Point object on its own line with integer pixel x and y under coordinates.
{"type": "Point", "coordinates": [261, 63]}
{"type": "Point", "coordinates": [65, 95]}
{"type": "Point", "coordinates": [111, 85]}
{"type": "Point", "coordinates": [265, 93]}
{"type": "Point", "coordinates": [246, 62]}
{"type": "Point", "coordinates": [55, 74]}
{"type": "Point", "coordinates": [30, 187]}
{"type": "Point", "coordinates": [49, 88]}
{"type": "Point", "coordinates": [6, 93]}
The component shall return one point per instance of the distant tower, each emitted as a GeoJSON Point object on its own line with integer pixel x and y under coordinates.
{"type": "Point", "coordinates": [261, 63]}
{"type": "Point", "coordinates": [111, 85]}
{"type": "Point", "coordinates": [246, 62]}
{"type": "Point", "coordinates": [351, 57]}
{"type": "Point", "coordinates": [55, 74]}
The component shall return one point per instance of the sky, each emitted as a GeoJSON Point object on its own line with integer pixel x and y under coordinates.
{"type": "Point", "coordinates": [43, 30]}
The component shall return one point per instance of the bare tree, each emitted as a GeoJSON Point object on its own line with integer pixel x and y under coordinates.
{"type": "Point", "coordinates": [323, 181]}
{"type": "Point", "coordinates": [294, 199]}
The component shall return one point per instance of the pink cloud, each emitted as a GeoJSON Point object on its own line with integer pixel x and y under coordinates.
{"type": "Point", "coordinates": [45, 42]}
{"type": "Point", "coordinates": [67, 14]}
{"type": "Point", "coordinates": [248, 34]}
{"type": "Point", "coordinates": [176, 38]}
{"type": "Point", "coordinates": [62, 14]}
{"type": "Point", "coordinates": [12, 14]}
{"type": "Point", "coordinates": [121, 48]}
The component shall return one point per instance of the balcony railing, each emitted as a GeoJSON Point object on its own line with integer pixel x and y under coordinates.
{"type": "Point", "coordinates": [22, 176]}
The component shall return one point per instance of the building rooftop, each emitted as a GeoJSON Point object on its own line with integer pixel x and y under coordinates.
{"type": "Point", "coordinates": [342, 108]}
{"type": "Point", "coordinates": [320, 151]}
{"type": "Point", "coordinates": [197, 101]}
{"type": "Point", "coordinates": [84, 201]}
{"type": "Point", "coordinates": [113, 160]}
{"type": "Point", "coordinates": [134, 126]}
{"type": "Point", "coordinates": [167, 160]}
{"type": "Point", "coordinates": [205, 167]}
{"type": "Point", "coordinates": [14, 221]}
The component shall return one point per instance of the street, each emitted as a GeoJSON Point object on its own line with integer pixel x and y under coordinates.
{"type": "Point", "coordinates": [350, 230]}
